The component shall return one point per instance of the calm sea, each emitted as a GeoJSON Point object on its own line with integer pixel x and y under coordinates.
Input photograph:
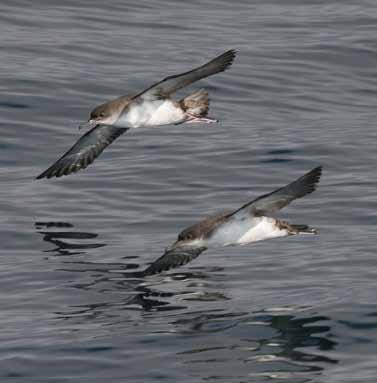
{"type": "Point", "coordinates": [302, 92]}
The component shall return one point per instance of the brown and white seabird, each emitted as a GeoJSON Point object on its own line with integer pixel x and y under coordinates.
{"type": "Point", "coordinates": [249, 223]}
{"type": "Point", "coordinates": [151, 107]}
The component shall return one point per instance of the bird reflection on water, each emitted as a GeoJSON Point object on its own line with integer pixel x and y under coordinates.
{"type": "Point", "coordinates": [278, 345]}
{"type": "Point", "coordinates": [60, 238]}
{"type": "Point", "coordinates": [119, 275]}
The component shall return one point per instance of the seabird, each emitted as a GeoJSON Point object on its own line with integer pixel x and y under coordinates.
{"type": "Point", "coordinates": [249, 223]}
{"type": "Point", "coordinates": [151, 107]}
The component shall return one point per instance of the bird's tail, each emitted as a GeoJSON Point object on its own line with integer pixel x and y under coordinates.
{"type": "Point", "coordinates": [197, 104]}
{"type": "Point", "coordinates": [302, 229]}
{"type": "Point", "coordinates": [291, 229]}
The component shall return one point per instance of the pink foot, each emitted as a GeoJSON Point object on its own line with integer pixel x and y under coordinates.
{"type": "Point", "coordinates": [195, 119]}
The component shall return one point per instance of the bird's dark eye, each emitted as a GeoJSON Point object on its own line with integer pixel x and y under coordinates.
{"type": "Point", "coordinates": [102, 114]}
{"type": "Point", "coordinates": [185, 236]}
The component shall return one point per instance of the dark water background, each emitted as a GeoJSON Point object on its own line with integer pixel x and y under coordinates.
{"type": "Point", "coordinates": [302, 92]}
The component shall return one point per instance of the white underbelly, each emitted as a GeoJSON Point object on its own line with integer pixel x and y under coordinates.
{"type": "Point", "coordinates": [151, 113]}
{"type": "Point", "coordinates": [167, 113]}
{"type": "Point", "coordinates": [246, 231]}
{"type": "Point", "coordinates": [265, 229]}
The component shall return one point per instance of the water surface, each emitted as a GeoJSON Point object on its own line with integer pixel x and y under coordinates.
{"type": "Point", "coordinates": [302, 92]}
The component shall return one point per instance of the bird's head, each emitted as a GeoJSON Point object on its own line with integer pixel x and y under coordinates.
{"type": "Point", "coordinates": [107, 114]}
{"type": "Point", "coordinates": [188, 238]}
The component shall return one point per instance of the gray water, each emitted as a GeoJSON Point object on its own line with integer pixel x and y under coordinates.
{"type": "Point", "coordinates": [302, 92]}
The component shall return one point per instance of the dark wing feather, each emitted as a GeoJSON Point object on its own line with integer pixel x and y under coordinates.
{"type": "Point", "coordinates": [177, 256]}
{"type": "Point", "coordinates": [171, 84]}
{"type": "Point", "coordinates": [270, 203]}
{"type": "Point", "coordinates": [84, 151]}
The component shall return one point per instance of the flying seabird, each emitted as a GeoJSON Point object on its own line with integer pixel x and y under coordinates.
{"type": "Point", "coordinates": [249, 223]}
{"type": "Point", "coordinates": [151, 107]}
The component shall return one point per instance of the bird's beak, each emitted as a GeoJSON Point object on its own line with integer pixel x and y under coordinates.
{"type": "Point", "coordinates": [178, 245]}
{"type": "Point", "coordinates": [88, 124]}
{"type": "Point", "coordinates": [181, 245]}
{"type": "Point", "coordinates": [172, 246]}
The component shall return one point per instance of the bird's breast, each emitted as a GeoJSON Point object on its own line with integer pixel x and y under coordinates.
{"type": "Point", "coordinates": [151, 113]}
{"type": "Point", "coordinates": [246, 230]}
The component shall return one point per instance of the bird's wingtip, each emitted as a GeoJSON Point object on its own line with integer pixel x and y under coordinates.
{"type": "Point", "coordinates": [226, 59]}
{"type": "Point", "coordinates": [317, 172]}
{"type": "Point", "coordinates": [45, 174]}
{"type": "Point", "coordinates": [40, 176]}
{"type": "Point", "coordinates": [231, 54]}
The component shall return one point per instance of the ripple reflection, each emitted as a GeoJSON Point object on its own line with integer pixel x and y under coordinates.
{"type": "Point", "coordinates": [61, 238]}
{"type": "Point", "coordinates": [269, 344]}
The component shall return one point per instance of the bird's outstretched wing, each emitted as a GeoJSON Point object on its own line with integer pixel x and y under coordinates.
{"type": "Point", "coordinates": [177, 256]}
{"type": "Point", "coordinates": [272, 202]}
{"type": "Point", "coordinates": [84, 151]}
{"type": "Point", "coordinates": [171, 84]}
